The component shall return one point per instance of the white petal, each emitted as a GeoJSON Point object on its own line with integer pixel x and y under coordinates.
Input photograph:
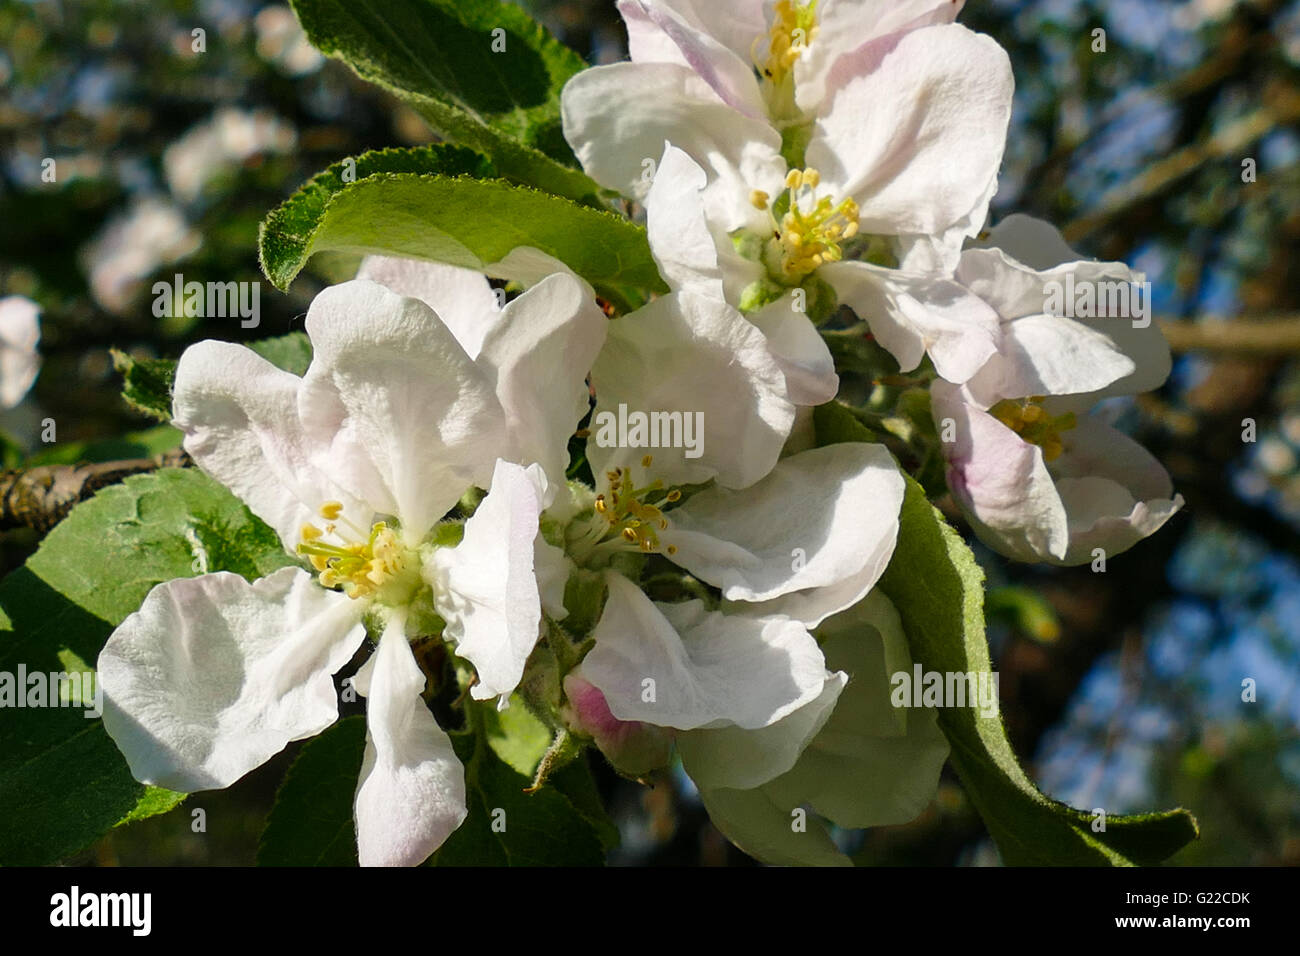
{"type": "Point", "coordinates": [411, 794]}
{"type": "Point", "coordinates": [845, 27]}
{"type": "Point", "coordinates": [699, 357]}
{"type": "Point", "coordinates": [20, 331]}
{"type": "Point", "coordinates": [462, 298]}
{"type": "Point", "coordinates": [398, 411]}
{"type": "Point", "coordinates": [823, 518]}
{"type": "Point", "coordinates": [911, 315]}
{"type": "Point", "coordinates": [1035, 242]}
{"type": "Point", "coordinates": [240, 417]}
{"type": "Point", "coordinates": [618, 117]}
{"type": "Point", "coordinates": [485, 587]}
{"type": "Point", "coordinates": [682, 666]}
{"type": "Point", "coordinates": [1048, 355]}
{"type": "Point", "coordinates": [538, 357]}
{"type": "Point", "coordinates": [743, 759]}
{"type": "Point", "coordinates": [213, 676]}
{"type": "Point", "coordinates": [893, 130]}
{"type": "Point", "coordinates": [810, 375]}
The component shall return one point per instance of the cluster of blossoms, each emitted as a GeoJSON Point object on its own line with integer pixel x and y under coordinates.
{"type": "Point", "coordinates": [810, 160]}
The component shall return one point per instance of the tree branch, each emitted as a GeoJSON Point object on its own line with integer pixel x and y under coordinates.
{"type": "Point", "coordinates": [41, 497]}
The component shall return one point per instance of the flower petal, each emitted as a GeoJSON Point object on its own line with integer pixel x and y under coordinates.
{"type": "Point", "coordinates": [395, 407]}
{"type": "Point", "coordinates": [800, 350]}
{"type": "Point", "coordinates": [822, 518]}
{"type": "Point", "coordinates": [618, 117]}
{"type": "Point", "coordinates": [912, 314]}
{"type": "Point", "coordinates": [411, 793]}
{"type": "Point", "coordinates": [696, 356]}
{"type": "Point", "coordinates": [844, 27]}
{"type": "Point", "coordinates": [743, 759]}
{"type": "Point", "coordinates": [213, 675]}
{"type": "Point", "coordinates": [486, 588]}
{"type": "Point", "coordinates": [240, 417]}
{"type": "Point", "coordinates": [678, 665]}
{"type": "Point", "coordinates": [728, 72]}
{"type": "Point", "coordinates": [461, 298]}
{"type": "Point", "coordinates": [1000, 481]}
{"type": "Point", "coordinates": [539, 355]}
{"type": "Point", "coordinates": [860, 771]}
{"type": "Point", "coordinates": [893, 129]}
{"type": "Point", "coordinates": [20, 331]}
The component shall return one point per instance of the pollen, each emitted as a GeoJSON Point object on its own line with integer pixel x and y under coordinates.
{"type": "Point", "coordinates": [811, 231]}
{"type": "Point", "coordinates": [373, 564]}
{"type": "Point", "coordinates": [794, 26]}
{"type": "Point", "coordinates": [1030, 421]}
{"type": "Point", "coordinates": [633, 513]}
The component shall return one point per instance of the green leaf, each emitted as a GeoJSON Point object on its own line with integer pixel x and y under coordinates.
{"type": "Point", "coordinates": [148, 382]}
{"type": "Point", "coordinates": [438, 56]}
{"type": "Point", "coordinates": [508, 827]}
{"type": "Point", "coordinates": [311, 823]}
{"type": "Point", "coordinates": [62, 781]}
{"type": "Point", "coordinates": [458, 220]}
{"type": "Point", "coordinates": [938, 588]}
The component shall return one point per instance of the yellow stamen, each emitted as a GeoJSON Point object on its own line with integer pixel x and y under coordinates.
{"type": "Point", "coordinates": [330, 510]}
{"type": "Point", "coordinates": [1031, 422]}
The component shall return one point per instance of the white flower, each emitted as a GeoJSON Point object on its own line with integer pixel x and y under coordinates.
{"type": "Point", "coordinates": [878, 98]}
{"type": "Point", "coordinates": [20, 332]}
{"type": "Point", "coordinates": [724, 244]}
{"type": "Point", "coordinates": [1038, 477]}
{"type": "Point", "coordinates": [807, 541]}
{"type": "Point", "coordinates": [848, 753]}
{"type": "Point", "coordinates": [353, 465]}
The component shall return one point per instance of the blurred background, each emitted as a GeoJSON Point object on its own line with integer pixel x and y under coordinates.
{"type": "Point", "coordinates": [1170, 140]}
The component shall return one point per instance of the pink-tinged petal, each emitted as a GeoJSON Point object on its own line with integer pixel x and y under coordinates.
{"type": "Point", "coordinates": [728, 72]}
{"type": "Point", "coordinates": [911, 315]}
{"type": "Point", "coordinates": [679, 665]}
{"type": "Point", "coordinates": [892, 131]}
{"type": "Point", "coordinates": [486, 587]}
{"type": "Point", "coordinates": [632, 747]}
{"type": "Point", "coordinates": [213, 676]}
{"type": "Point", "coordinates": [411, 793]}
{"type": "Point", "coordinates": [394, 406]}
{"type": "Point", "coordinates": [1000, 481]}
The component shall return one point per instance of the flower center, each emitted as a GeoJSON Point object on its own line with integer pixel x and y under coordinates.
{"type": "Point", "coordinates": [628, 512]}
{"type": "Point", "coordinates": [1030, 421]}
{"type": "Point", "coordinates": [374, 564]}
{"type": "Point", "coordinates": [810, 230]}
